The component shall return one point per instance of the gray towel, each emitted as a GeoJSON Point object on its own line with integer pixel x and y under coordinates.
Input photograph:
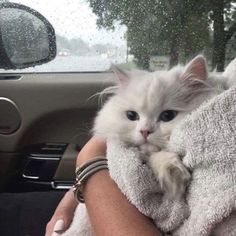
{"type": "Point", "coordinates": [207, 142]}
{"type": "Point", "coordinates": [138, 183]}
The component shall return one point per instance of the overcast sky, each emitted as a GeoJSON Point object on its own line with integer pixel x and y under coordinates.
{"type": "Point", "coordinates": [74, 18]}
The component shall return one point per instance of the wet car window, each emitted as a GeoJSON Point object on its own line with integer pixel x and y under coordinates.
{"type": "Point", "coordinates": [149, 34]}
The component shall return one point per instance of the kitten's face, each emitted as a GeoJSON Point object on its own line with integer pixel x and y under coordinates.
{"type": "Point", "coordinates": [147, 107]}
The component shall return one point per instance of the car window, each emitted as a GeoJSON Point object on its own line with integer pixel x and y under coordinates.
{"type": "Point", "coordinates": [149, 34]}
{"type": "Point", "coordinates": [81, 45]}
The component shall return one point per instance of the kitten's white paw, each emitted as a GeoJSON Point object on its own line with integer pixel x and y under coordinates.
{"type": "Point", "coordinates": [170, 172]}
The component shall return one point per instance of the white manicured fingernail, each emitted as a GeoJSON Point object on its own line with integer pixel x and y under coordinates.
{"type": "Point", "coordinates": [59, 226]}
{"type": "Point", "coordinates": [55, 234]}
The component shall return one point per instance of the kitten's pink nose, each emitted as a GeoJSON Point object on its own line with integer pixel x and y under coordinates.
{"type": "Point", "coordinates": [145, 132]}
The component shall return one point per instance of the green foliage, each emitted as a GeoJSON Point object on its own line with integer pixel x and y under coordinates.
{"type": "Point", "coordinates": [179, 28]}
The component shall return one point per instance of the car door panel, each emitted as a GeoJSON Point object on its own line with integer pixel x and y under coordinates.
{"type": "Point", "coordinates": [54, 108]}
{"type": "Point", "coordinates": [51, 103]}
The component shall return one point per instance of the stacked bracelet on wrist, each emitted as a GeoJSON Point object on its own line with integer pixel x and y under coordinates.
{"type": "Point", "coordinates": [83, 172]}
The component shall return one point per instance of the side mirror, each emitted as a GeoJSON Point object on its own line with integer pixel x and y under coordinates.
{"type": "Point", "coordinates": [26, 37]}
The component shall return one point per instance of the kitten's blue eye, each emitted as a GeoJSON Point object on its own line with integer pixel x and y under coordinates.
{"type": "Point", "coordinates": [132, 115]}
{"type": "Point", "coordinates": [168, 115]}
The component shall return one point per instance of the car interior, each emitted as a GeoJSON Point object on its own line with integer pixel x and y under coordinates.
{"type": "Point", "coordinates": [45, 119]}
{"type": "Point", "coordinates": [51, 122]}
{"type": "Point", "coordinates": [46, 115]}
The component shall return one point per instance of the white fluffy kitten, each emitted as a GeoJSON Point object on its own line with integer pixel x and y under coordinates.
{"type": "Point", "coordinates": [147, 106]}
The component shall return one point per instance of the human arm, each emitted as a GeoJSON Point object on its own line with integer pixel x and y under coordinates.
{"type": "Point", "coordinates": [105, 201]}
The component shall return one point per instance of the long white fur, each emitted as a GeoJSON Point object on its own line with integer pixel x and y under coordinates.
{"type": "Point", "coordinates": [182, 88]}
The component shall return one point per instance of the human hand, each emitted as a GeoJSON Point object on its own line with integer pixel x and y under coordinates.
{"type": "Point", "coordinates": [62, 216]}
{"type": "Point", "coordinates": [64, 213]}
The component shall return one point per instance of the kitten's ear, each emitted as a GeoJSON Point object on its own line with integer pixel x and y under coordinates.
{"type": "Point", "coordinates": [122, 76]}
{"type": "Point", "coordinates": [196, 68]}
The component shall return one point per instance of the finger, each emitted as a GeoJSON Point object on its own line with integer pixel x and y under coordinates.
{"type": "Point", "coordinates": [59, 227]}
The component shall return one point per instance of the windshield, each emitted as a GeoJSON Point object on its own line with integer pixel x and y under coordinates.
{"type": "Point", "coordinates": [148, 34]}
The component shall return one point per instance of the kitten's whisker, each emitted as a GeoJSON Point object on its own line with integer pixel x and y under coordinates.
{"type": "Point", "coordinates": [105, 92]}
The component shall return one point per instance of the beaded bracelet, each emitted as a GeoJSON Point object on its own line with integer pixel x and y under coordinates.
{"type": "Point", "coordinates": [83, 172]}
